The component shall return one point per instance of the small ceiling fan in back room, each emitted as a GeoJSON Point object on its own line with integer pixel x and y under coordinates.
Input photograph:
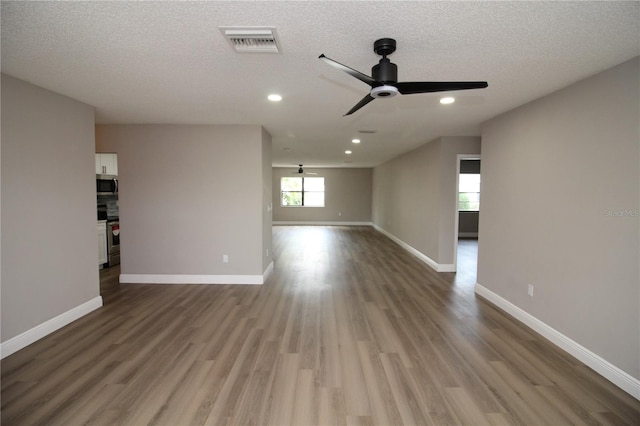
{"type": "Point", "coordinates": [384, 78]}
{"type": "Point", "coordinates": [301, 171]}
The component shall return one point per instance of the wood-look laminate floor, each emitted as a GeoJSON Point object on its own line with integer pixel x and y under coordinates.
{"type": "Point", "coordinates": [349, 329]}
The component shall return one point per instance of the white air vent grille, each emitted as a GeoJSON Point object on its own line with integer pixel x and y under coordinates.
{"type": "Point", "coordinates": [252, 39]}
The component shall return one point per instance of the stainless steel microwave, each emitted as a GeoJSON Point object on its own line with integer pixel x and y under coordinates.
{"type": "Point", "coordinates": [106, 184]}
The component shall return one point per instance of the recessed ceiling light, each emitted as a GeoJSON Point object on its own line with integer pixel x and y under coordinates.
{"type": "Point", "coordinates": [447, 100]}
{"type": "Point", "coordinates": [347, 152]}
{"type": "Point", "coordinates": [355, 140]}
{"type": "Point", "coordinates": [274, 98]}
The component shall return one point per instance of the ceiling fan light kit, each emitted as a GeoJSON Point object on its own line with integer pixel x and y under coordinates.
{"type": "Point", "coordinates": [384, 78]}
{"type": "Point", "coordinates": [384, 92]}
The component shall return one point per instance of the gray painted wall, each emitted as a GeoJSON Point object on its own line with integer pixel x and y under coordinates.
{"type": "Point", "coordinates": [347, 191]}
{"type": "Point", "coordinates": [560, 199]}
{"type": "Point", "coordinates": [49, 236]}
{"type": "Point", "coordinates": [414, 196]}
{"type": "Point", "coordinates": [267, 205]}
{"type": "Point", "coordinates": [188, 195]}
{"type": "Point", "coordinates": [405, 197]}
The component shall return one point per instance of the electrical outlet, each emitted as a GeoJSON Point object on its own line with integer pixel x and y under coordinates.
{"type": "Point", "coordinates": [267, 252]}
{"type": "Point", "coordinates": [225, 258]}
{"type": "Point", "coordinates": [530, 290]}
{"type": "Point", "coordinates": [340, 214]}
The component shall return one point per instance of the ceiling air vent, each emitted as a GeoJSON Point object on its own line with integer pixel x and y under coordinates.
{"type": "Point", "coordinates": [252, 39]}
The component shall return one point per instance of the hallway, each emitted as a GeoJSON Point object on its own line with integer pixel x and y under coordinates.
{"type": "Point", "coordinates": [467, 266]}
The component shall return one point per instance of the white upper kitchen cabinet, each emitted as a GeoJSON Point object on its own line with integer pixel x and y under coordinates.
{"type": "Point", "coordinates": [107, 164]}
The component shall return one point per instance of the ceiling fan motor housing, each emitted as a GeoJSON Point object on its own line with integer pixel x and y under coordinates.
{"type": "Point", "coordinates": [385, 71]}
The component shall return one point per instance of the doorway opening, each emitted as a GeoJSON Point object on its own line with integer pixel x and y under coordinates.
{"type": "Point", "coordinates": [467, 215]}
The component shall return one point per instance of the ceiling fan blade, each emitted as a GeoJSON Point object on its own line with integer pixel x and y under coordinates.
{"type": "Point", "coordinates": [357, 74]}
{"type": "Point", "coordinates": [360, 104]}
{"type": "Point", "coordinates": [408, 88]}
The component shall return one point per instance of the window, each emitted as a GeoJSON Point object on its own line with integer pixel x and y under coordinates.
{"type": "Point", "coordinates": [302, 192]}
{"type": "Point", "coordinates": [469, 192]}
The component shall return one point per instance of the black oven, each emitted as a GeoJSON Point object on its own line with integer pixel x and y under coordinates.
{"type": "Point", "coordinates": [106, 184]}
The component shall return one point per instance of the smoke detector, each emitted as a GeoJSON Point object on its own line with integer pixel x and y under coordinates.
{"type": "Point", "coordinates": [252, 39]}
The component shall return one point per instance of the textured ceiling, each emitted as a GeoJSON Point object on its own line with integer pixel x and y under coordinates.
{"type": "Point", "coordinates": [167, 62]}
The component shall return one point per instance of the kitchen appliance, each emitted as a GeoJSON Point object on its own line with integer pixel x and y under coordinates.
{"type": "Point", "coordinates": [102, 212]}
{"type": "Point", "coordinates": [108, 207]}
{"type": "Point", "coordinates": [106, 184]}
{"type": "Point", "coordinates": [113, 243]}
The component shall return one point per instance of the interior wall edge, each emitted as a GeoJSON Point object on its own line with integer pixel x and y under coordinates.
{"type": "Point", "coordinates": [438, 267]}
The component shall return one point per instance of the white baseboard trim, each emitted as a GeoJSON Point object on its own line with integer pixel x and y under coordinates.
{"type": "Point", "coordinates": [623, 380]}
{"type": "Point", "coordinates": [192, 279]}
{"type": "Point", "coordinates": [197, 279]}
{"type": "Point", "coordinates": [320, 223]}
{"type": "Point", "coordinates": [444, 267]}
{"type": "Point", "coordinates": [38, 332]}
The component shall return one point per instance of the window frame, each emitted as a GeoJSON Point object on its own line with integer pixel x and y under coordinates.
{"type": "Point", "coordinates": [302, 191]}
{"type": "Point", "coordinates": [460, 192]}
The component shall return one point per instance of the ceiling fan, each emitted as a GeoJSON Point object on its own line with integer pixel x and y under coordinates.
{"type": "Point", "coordinates": [384, 78]}
{"type": "Point", "coordinates": [301, 171]}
